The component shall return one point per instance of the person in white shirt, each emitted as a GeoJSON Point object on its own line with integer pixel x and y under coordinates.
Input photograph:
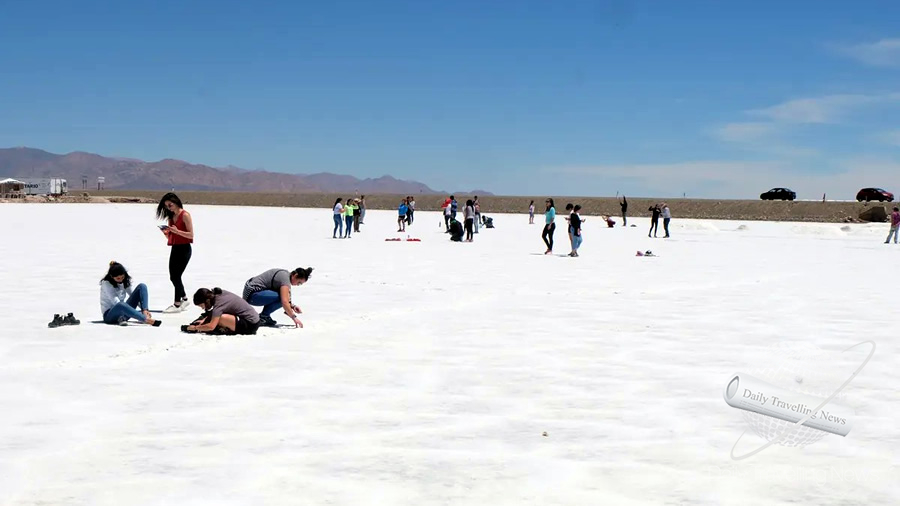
{"type": "Point", "coordinates": [119, 300]}
{"type": "Point", "coordinates": [667, 216]}
{"type": "Point", "coordinates": [447, 214]}
{"type": "Point", "coordinates": [338, 218]}
{"type": "Point", "coordinates": [469, 220]}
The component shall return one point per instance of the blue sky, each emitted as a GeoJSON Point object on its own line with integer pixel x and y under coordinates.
{"type": "Point", "coordinates": [703, 98]}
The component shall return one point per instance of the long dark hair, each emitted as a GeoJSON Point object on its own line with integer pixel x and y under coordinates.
{"type": "Point", "coordinates": [336, 201]}
{"type": "Point", "coordinates": [207, 297]}
{"type": "Point", "coordinates": [162, 212]}
{"type": "Point", "coordinates": [302, 273]}
{"type": "Point", "coordinates": [551, 202]}
{"type": "Point", "coordinates": [117, 269]}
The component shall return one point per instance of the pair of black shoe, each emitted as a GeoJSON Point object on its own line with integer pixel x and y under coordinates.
{"type": "Point", "coordinates": [59, 321]}
{"type": "Point", "coordinates": [267, 321]}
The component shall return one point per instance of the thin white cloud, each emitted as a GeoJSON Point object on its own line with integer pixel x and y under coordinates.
{"type": "Point", "coordinates": [892, 137]}
{"type": "Point", "coordinates": [745, 179]}
{"type": "Point", "coordinates": [826, 109]}
{"type": "Point", "coordinates": [884, 53]}
{"type": "Point", "coordinates": [760, 137]}
{"type": "Point", "coordinates": [749, 131]}
{"type": "Point", "coordinates": [765, 135]}
{"type": "Point", "coordinates": [665, 179]}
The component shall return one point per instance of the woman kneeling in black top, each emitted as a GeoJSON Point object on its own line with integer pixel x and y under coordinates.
{"type": "Point", "coordinates": [225, 313]}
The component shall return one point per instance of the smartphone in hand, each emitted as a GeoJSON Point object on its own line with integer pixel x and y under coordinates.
{"type": "Point", "coordinates": [163, 227]}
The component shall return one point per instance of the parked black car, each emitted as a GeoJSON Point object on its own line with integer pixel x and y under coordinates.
{"type": "Point", "coordinates": [878, 194]}
{"type": "Point", "coordinates": [778, 194]}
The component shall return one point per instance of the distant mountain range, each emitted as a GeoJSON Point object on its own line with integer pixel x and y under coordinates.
{"type": "Point", "coordinates": [127, 173]}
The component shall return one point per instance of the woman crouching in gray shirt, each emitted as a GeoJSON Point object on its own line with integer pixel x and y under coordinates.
{"type": "Point", "coordinates": [225, 313]}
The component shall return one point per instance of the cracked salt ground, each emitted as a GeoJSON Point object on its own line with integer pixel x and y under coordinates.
{"type": "Point", "coordinates": [427, 375]}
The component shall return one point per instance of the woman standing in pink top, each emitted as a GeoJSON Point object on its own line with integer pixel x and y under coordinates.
{"type": "Point", "coordinates": [895, 226]}
{"type": "Point", "coordinates": [179, 230]}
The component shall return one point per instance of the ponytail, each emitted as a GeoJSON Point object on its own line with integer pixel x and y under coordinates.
{"type": "Point", "coordinates": [302, 273]}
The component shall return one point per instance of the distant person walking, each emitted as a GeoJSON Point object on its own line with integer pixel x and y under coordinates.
{"type": "Point", "coordinates": [272, 289]}
{"type": "Point", "coordinates": [469, 220]}
{"type": "Point", "coordinates": [576, 223]}
{"type": "Point", "coordinates": [624, 206]}
{"type": "Point", "coordinates": [569, 210]}
{"type": "Point", "coordinates": [549, 225]}
{"type": "Point", "coordinates": [179, 232]}
{"type": "Point", "coordinates": [454, 206]}
{"type": "Point", "coordinates": [531, 213]}
{"type": "Point", "coordinates": [119, 300]}
{"type": "Point", "coordinates": [654, 220]}
{"type": "Point", "coordinates": [356, 215]}
{"type": "Point", "coordinates": [667, 217]}
{"type": "Point", "coordinates": [895, 226]}
{"type": "Point", "coordinates": [338, 219]}
{"type": "Point", "coordinates": [410, 210]}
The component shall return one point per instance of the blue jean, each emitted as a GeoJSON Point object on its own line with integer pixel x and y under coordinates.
{"type": "Point", "coordinates": [576, 241]}
{"type": "Point", "coordinates": [338, 226]}
{"type": "Point", "coordinates": [893, 232]}
{"type": "Point", "coordinates": [127, 309]}
{"type": "Point", "coordinates": [269, 299]}
{"type": "Point", "coordinates": [349, 224]}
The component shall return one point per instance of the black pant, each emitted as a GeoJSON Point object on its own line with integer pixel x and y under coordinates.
{"type": "Point", "coordinates": [409, 216]}
{"type": "Point", "coordinates": [547, 235]}
{"type": "Point", "coordinates": [178, 261]}
{"type": "Point", "coordinates": [666, 225]}
{"type": "Point", "coordinates": [624, 219]}
{"type": "Point", "coordinates": [654, 226]}
{"type": "Point", "coordinates": [447, 221]}
{"type": "Point", "coordinates": [469, 224]}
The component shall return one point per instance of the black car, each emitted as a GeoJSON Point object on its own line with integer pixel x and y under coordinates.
{"type": "Point", "coordinates": [778, 194]}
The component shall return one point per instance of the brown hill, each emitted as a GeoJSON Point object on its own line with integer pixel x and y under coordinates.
{"type": "Point", "coordinates": [124, 173]}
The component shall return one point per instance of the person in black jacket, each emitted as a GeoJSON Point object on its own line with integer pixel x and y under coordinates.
{"type": "Point", "coordinates": [456, 230]}
{"type": "Point", "coordinates": [575, 222]}
{"type": "Point", "coordinates": [654, 220]}
{"type": "Point", "coordinates": [624, 206]}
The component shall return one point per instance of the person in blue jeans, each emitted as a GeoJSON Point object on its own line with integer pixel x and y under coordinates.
{"type": "Point", "coordinates": [272, 290]}
{"type": "Point", "coordinates": [119, 300]}
{"type": "Point", "coordinates": [348, 217]}
{"type": "Point", "coordinates": [575, 223]}
{"type": "Point", "coordinates": [338, 219]}
{"type": "Point", "coordinates": [402, 216]}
